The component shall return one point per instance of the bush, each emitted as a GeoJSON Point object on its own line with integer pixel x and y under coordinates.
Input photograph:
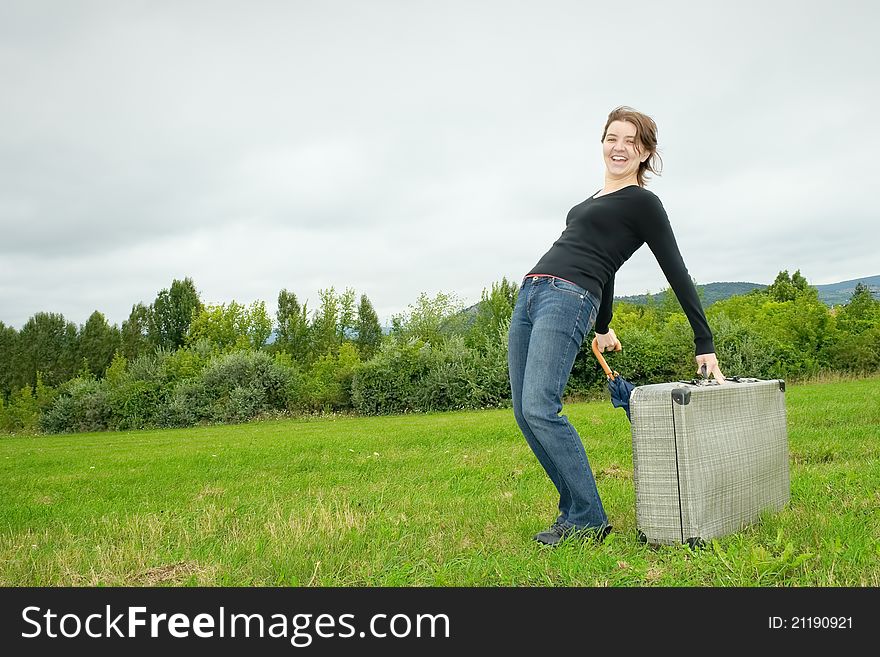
{"type": "Point", "coordinates": [448, 379]}
{"type": "Point", "coordinates": [858, 353]}
{"type": "Point", "coordinates": [440, 358]}
{"type": "Point", "coordinates": [386, 383]}
{"type": "Point", "coordinates": [492, 373]}
{"type": "Point", "coordinates": [743, 351]}
{"type": "Point", "coordinates": [184, 364]}
{"type": "Point", "coordinates": [411, 375]}
{"type": "Point", "coordinates": [136, 404]}
{"type": "Point", "coordinates": [22, 413]}
{"type": "Point", "coordinates": [174, 390]}
{"type": "Point", "coordinates": [463, 378]}
{"type": "Point", "coordinates": [82, 405]}
{"type": "Point", "coordinates": [296, 382]}
{"type": "Point", "coordinates": [138, 392]}
{"type": "Point", "coordinates": [240, 386]}
{"type": "Point", "coordinates": [188, 404]}
{"type": "Point", "coordinates": [328, 383]}
{"type": "Point", "coordinates": [647, 357]}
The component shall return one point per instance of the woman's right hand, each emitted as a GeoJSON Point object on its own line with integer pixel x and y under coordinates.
{"type": "Point", "coordinates": [608, 341]}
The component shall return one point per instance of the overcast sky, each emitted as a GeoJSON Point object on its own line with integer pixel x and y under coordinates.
{"type": "Point", "coordinates": [400, 147]}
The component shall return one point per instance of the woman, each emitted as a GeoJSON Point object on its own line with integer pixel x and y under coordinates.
{"type": "Point", "coordinates": [571, 288]}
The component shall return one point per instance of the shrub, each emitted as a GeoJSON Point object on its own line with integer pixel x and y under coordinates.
{"type": "Point", "coordinates": [188, 404]}
{"type": "Point", "coordinates": [22, 413]}
{"type": "Point", "coordinates": [493, 378]}
{"type": "Point", "coordinates": [411, 375]}
{"type": "Point", "coordinates": [184, 364]}
{"type": "Point", "coordinates": [447, 382]}
{"type": "Point", "coordinates": [241, 385]}
{"type": "Point", "coordinates": [82, 405]}
{"type": "Point", "coordinates": [328, 383]}
{"type": "Point", "coordinates": [858, 353]}
{"type": "Point", "coordinates": [136, 404]}
{"type": "Point", "coordinates": [173, 390]}
{"type": "Point", "coordinates": [296, 382]}
{"type": "Point", "coordinates": [743, 351]}
{"type": "Point", "coordinates": [386, 383]}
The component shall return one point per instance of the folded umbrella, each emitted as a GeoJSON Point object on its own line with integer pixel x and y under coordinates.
{"type": "Point", "coordinates": [619, 387]}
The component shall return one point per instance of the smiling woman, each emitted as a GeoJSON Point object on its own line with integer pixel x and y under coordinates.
{"type": "Point", "coordinates": [570, 289]}
{"type": "Point", "coordinates": [629, 145]}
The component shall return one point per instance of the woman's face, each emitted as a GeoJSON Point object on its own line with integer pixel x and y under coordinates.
{"type": "Point", "coordinates": [619, 149]}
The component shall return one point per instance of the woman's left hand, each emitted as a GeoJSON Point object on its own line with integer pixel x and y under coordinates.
{"type": "Point", "coordinates": [711, 363]}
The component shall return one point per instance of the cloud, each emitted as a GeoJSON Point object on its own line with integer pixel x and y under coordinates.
{"type": "Point", "coordinates": [398, 148]}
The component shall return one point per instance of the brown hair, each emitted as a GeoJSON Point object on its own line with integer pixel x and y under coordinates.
{"type": "Point", "coordinates": [646, 138]}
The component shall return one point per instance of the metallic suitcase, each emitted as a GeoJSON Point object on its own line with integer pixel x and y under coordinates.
{"type": "Point", "coordinates": [708, 459]}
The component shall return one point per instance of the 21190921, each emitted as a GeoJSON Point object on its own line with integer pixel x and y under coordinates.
{"type": "Point", "coordinates": [810, 623]}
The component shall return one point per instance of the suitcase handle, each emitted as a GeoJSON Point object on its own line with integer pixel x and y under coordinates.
{"type": "Point", "coordinates": [608, 372]}
{"type": "Point", "coordinates": [703, 380]}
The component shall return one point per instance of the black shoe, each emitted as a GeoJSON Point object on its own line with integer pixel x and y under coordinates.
{"type": "Point", "coordinates": [558, 532]}
{"type": "Point", "coordinates": [553, 535]}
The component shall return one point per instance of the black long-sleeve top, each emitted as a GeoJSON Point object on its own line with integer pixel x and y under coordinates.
{"type": "Point", "coordinates": [602, 233]}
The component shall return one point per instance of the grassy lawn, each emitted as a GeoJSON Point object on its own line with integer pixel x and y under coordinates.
{"type": "Point", "coordinates": [448, 499]}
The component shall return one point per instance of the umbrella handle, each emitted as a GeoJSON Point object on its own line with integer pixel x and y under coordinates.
{"type": "Point", "coordinates": [601, 359]}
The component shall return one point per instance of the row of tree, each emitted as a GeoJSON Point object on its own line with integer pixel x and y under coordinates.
{"type": "Point", "coordinates": [57, 350]}
{"type": "Point", "coordinates": [214, 364]}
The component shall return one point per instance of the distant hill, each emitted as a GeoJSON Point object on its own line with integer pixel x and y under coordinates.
{"type": "Point", "coordinates": [711, 292]}
{"type": "Point", "coordinates": [832, 294]}
{"type": "Point", "coordinates": [838, 293]}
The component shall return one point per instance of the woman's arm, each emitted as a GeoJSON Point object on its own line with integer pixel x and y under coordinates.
{"type": "Point", "coordinates": [657, 233]}
{"type": "Point", "coordinates": [604, 314]}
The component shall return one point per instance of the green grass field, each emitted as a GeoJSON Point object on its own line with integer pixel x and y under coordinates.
{"type": "Point", "coordinates": [449, 499]}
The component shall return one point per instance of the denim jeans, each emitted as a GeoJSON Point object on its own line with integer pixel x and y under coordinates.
{"type": "Point", "coordinates": [550, 321]}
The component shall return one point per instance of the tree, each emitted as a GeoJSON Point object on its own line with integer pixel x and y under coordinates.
{"type": "Point", "coordinates": [47, 344]}
{"type": "Point", "coordinates": [8, 351]}
{"type": "Point", "coordinates": [369, 332]}
{"type": "Point", "coordinates": [330, 378]}
{"type": "Point", "coordinates": [232, 327]}
{"type": "Point", "coordinates": [347, 324]}
{"type": "Point", "coordinates": [861, 292]}
{"type": "Point", "coordinates": [258, 323]}
{"type": "Point", "coordinates": [428, 319]}
{"type": "Point", "coordinates": [172, 312]}
{"type": "Point", "coordinates": [493, 313]}
{"type": "Point", "coordinates": [134, 339]}
{"type": "Point", "coordinates": [293, 326]}
{"type": "Point", "coordinates": [98, 341]}
{"type": "Point", "coordinates": [325, 331]}
{"type": "Point", "coordinates": [861, 313]}
{"type": "Point", "coordinates": [799, 283]}
{"type": "Point", "coordinates": [789, 288]}
{"type": "Point", "coordinates": [782, 289]}
{"type": "Point", "coordinates": [334, 323]}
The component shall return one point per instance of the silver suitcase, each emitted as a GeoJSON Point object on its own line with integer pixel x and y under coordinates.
{"type": "Point", "coordinates": [708, 459]}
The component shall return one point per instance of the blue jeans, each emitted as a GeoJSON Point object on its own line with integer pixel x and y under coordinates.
{"type": "Point", "coordinates": [550, 321]}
